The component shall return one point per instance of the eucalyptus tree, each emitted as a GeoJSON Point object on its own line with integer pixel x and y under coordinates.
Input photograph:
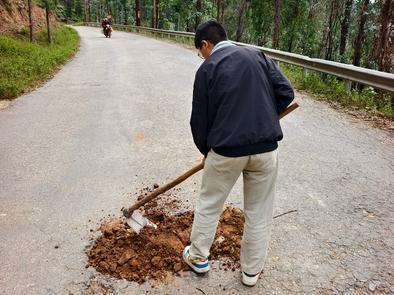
{"type": "Point", "coordinates": [49, 6]}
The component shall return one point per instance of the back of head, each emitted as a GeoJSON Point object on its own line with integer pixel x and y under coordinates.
{"type": "Point", "coordinates": [211, 31]}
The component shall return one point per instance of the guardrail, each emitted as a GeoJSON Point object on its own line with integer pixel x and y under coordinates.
{"type": "Point", "coordinates": [377, 79]}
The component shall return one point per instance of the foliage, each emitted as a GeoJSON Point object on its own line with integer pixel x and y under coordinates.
{"type": "Point", "coordinates": [24, 65]}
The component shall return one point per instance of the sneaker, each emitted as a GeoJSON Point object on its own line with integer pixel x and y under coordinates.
{"type": "Point", "coordinates": [249, 280]}
{"type": "Point", "coordinates": [199, 265]}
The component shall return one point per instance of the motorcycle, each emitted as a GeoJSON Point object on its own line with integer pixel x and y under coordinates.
{"type": "Point", "coordinates": [107, 31]}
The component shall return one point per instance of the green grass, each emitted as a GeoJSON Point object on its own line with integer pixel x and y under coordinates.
{"type": "Point", "coordinates": [332, 89]}
{"type": "Point", "coordinates": [24, 65]}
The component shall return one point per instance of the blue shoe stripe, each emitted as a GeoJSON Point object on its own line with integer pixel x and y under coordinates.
{"type": "Point", "coordinates": [201, 265]}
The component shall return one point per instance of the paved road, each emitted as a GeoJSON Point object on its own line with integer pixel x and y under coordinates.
{"type": "Point", "coordinates": [115, 119]}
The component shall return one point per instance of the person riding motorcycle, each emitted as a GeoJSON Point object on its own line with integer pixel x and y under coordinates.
{"type": "Point", "coordinates": [104, 22]}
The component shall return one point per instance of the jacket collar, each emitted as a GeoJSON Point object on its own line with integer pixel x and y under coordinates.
{"type": "Point", "coordinates": [221, 45]}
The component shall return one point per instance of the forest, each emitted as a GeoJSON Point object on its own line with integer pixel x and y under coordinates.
{"type": "Point", "coordinates": [358, 32]}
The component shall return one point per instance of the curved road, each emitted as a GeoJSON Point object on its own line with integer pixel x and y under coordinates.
{"type": "Point", "coordinates": [116, 118]}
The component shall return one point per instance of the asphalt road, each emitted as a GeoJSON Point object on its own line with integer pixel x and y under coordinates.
{"type": "Point", "coordinates": [116, 118]}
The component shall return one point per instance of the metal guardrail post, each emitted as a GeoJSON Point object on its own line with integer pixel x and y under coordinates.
{"type": "Point", "coordinates": [348, 85]}
{"type": "Point", "coordinates": [304, 74]}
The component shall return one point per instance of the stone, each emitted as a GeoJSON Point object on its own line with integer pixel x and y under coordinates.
{"type": "Point", "coordinates": [177, 266]}
{"type": "Point", "coordinates": [156, 261]}
{"type": "Point", "coordinates": [371, 287]}
{"type": "Point", "coordinates": [126, 256]}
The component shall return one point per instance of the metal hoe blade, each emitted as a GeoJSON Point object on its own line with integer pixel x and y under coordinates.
{"type": "Point", "coordinates": [138, 222]}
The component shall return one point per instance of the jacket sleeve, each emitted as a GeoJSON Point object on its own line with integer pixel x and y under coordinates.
{"type": "Point", "coordinates": [284, 93]}
{"type": "Point", "coordinates": [199, 116]}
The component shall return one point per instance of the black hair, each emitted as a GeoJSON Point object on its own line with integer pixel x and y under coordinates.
{"type": "Point", "coordinates": [210, 31]}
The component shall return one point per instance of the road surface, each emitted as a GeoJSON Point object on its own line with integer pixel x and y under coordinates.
{"type": "Point", "coordinates": [116, 118]}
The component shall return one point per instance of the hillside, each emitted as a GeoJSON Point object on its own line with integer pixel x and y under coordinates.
{"type": "Point", "coordinates": [15, 18]}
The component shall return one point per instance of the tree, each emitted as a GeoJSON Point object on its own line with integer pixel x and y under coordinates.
{"type": "Point", "coordinates": [309, 36]}
{"type": "Point", "coordinates": [137, 13]}
{"type": "Point", "coordinates": [198, 13]}
{"type": "Point", "coordinates": [78, 9]}
{"type": "Point", "coordinates": [155, 14]}
{"type": "Point", "coordinates": [125, 10]}
{"type": "Point", "coordinates": [275, 37]}
{"type": "Point", "coordinates": [294, 14]}
{"type": "Point", "coordinates": [345, 27]}
{"type": "Point", "coordinates": [220, 11]}
{"type": "Point", "coordinates": [358, 42]}
{"type": "Point", "coordinates": [261, 15]}
{"type": "Point", "coordinates": [331, 30]}
{"type": "Point", "coordinates": [49, 6]}
{"type": "Point", "coordinates": [69, 9]}
{"type": "Point", "coordinates": [242, 8]}
{"type": "Point", "coordinates": [30, 21]}
{"type": "Point", "coordinates": [383, 45]}
{"type": "Point", "coordinates": [86, 11]}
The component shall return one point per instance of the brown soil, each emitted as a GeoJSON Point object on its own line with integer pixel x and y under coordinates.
{"type": "Point", "coordinates": [156, 253]}
{"type": "Point", "coordinates": [15, 18]}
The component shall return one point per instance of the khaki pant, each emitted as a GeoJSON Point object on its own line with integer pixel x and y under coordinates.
{"type": "Point", "coordinates": [219, 176]}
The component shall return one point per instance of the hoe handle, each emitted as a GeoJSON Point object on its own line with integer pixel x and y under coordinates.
{"type": "Point", "coordinates": [162, 189]}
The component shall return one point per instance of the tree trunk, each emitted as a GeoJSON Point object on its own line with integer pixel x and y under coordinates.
{"type": "Point", "coordinates": [309, 30]}
{"type": "Point", "coordinates": [358, 42]}
{"type": "Point", "coordinates": [345, 27]}
{"type": "Point", "coordinates": [242, 8]}
{"type": "Point", "coordinates": [153, 23]}
{"type": "Point", "coordinates": [198, 13]}
{"type": "Point", "coordinates": [220, 11]}
{"type": "Point", "coordinates": [48, 24]}
{"type": "Point", "coordinates": [331, 29]}
{"type": "Point", "coordinates": [137, 13]}
{"type": "Point", "coordinates": [275, 37]}
{"type": "Point", "coordinates": [86, 10]}
{"type": "Point", "coordinates": [125, 21]}
{"type": "Point", "coordinates": [155, 14]}
{"type": "Point", "coordinates": [89, 12]}
{"type": "Point", "coordinates": [217, 9]}
{"type": "Point", "coordinates": [68, 10]}
{"type": "Point", "coordinates": [383, 47]}
{"type": "Point", "coordinates": [30, 21]}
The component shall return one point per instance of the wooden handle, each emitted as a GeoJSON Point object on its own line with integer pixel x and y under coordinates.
{"type": "Point", "coordinates": [288, 110]}
{"type": "Point", "coordinates": [162, 189]}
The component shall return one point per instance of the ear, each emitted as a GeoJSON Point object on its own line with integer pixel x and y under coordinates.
{"type": "Point", "coordinates": [204, 43]}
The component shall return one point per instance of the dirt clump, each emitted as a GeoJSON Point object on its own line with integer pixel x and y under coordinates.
{"type": "Point", "coordinates": [157, 253]}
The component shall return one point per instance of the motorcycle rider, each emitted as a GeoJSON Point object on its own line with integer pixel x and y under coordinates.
{"type": "Point", "coordinates": [104, 24]}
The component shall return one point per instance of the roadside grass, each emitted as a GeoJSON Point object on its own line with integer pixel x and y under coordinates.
{"type": "Point", "coordinates": [333, 90]}
{"type": "Point", "coordinates": [24, 65]}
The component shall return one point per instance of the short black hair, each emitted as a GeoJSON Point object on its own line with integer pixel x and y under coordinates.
{"type": "Point", "coordinates": [211, 31]}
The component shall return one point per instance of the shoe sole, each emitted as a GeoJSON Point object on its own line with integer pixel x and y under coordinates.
{"type": "Point", "coordinates": [249, 281]}
{"type": "Point", "coordinates": [247, 284]}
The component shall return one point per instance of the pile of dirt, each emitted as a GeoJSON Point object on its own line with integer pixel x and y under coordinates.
{"type": "Point", "coordinates": [156, 253]}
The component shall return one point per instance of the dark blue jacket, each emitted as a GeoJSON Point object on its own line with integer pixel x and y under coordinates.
{"type": "Point", "coordinates": [237, 96]}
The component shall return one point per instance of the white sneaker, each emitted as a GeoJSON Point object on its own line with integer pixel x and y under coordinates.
{"type": "Point", "coordinates": [250, 280]}
{"type": "Point", "coordinates": [199, 265]}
